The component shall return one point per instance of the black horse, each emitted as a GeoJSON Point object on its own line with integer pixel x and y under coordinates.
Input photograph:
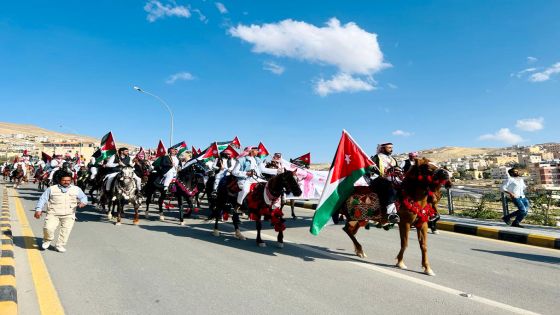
{"type": "Point", "coordinates": [187, 186]}
{"type": "Point", "coordinates": [262, 201]}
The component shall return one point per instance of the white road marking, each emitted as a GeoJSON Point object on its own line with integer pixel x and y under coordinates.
{"type": "Point", "coordinates": [394, 274]}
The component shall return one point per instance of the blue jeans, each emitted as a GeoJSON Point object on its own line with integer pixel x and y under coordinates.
{"type": "Point", "coordinates": [522, 205]}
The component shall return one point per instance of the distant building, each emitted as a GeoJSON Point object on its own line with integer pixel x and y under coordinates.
{"type": "Point", "coordinates": [529, 159]}
{"type": "Point", "coordinates": [546, 174]}
{"type": "Point", "coordinates": [499, 172]}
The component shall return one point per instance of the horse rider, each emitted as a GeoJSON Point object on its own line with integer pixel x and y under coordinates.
{"type": "Point", "coordinates": [222, 167]}
{"type": "Point", "coordinates": [410, 162]}
{"type": "Point", "coordinates": [168, 167]}
{"type": "Point", "coordinates": [249, 170]}
{"type": "Point", "coordinates": [92, 166]}
{"type": "Point", "coordinates": [114, 166]}
{"type": "Point", "coordinates": [55, 164]}
{"type": "Point", "coordinates": [380, 180]}
{"type": "Point", "coordinates": [20, 163]}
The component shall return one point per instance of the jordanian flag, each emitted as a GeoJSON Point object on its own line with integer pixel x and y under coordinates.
{"type": "Point", "coordinates": [349, 164]}
{"type": "Point", "coordinates": [263, 152]}
{"type": "Point", "coordinates": [231, 151]}
{"type": "Point", "coordinates": [235, 143]}
{"type": "Point", "coordinates": [222, 145]}
{"type": "Point", "coordinates": [181, 147]}
{"type": "Point", "coordinates": [107, 147]}
{"type": "Point", "coordinates": [45, 157]}
{"type": "Point", "coordinates": [159, 153]}
{"type": "Point", "coordinates": [304, 160]}
{"type": "Point", "coordinates": [210, 153]}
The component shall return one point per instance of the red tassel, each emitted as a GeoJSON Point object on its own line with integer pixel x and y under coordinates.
{"type": "Point", "coordinates": [420, 177]}
{"type": "Point", "coordinates": [429, 178]}
{"type": "Point", "coordinates": [196, 209]}
{"type": "Point", "coordinates": [225, 216]}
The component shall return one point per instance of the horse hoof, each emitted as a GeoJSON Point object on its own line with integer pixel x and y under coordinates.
{"type": "Point", "coordinates": [401, 265]}
{"type": "Point", "coordinates": [361, 254]}
{"type": "Point", "coordinates": [161, 218]}
{"type": "Point", "coordinates": [239, 236]}
{"type": "Point", "coordinates": [263, 244]}
{"type": "Point", "coordinates": [216, 232]}
{"type": "Point", "coordinates": [136, 222]}
{"type": "Point", "coordinates": [280, 245]}
{"type": "Point", "coordinates": [182, 223]}
{"type": "Point", "coordinates": [109, 217]}
{"type": "Point", "coordinates": [429, 272]}
{"type": "Point", "coordinates": [117, 223]}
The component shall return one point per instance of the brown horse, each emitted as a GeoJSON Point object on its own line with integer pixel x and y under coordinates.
{"type": "Point", "coordinates": [18, 176]}
{"type": "Point", "coordinates": [420, 193]}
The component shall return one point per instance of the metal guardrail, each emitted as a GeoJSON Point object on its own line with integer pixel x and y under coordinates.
{"type": "Point", "coordinates": [458, 201]}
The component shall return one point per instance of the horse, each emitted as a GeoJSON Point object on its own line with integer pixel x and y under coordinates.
{"type": "Point", "coordinates": [420, 193]}
{"type": "Point", "coordinates": [17, 176]}
{"type": "Point", "coordinates": [123, 190]}
{"type": "Point", "coordinates": [263, 200]}
{"type": "Point", "coordinates": [276, 165]}
{"type": "Point", "coordinates": [6, 172]}
{"type": "Point", "coordinates": [82, 178]}
{"type": "Point", "coordinates": [153, 185]}
{"type": "Point", "coordinates": [417, 196]}
{"type": "Point", "coordinates": [186, 186]}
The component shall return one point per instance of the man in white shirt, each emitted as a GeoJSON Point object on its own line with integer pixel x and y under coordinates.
{"type": "Point", "coordinates": [248, 170]}
{"type": "Point", "coordinates": [515, 186]}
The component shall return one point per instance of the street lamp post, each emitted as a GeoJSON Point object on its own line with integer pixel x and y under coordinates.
{"type": "Point", "coordinates": [166, 106]}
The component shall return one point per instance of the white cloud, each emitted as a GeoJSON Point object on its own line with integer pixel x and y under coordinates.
{"type": "Point", "coordinates": [402, 133]}
{"type": "Point", "coordinates": [503, 135]}
{"type": "Point", "coordinates": [349, 48]}
{"type": "Point", "coordinates": [530, 124]}
{"type": "Point", "coordinates": [532, 59]}
{"type": "Point", "coordinates": [392, 86]}
{"type": "Point", "coordinates": [156, 10]}
{"type": "Point", "coordinates": [179, 76]}
{"type": "Point", "coordinates": [273, 67]}
{"type": "Point", "coordinates": [524, 71]}
{"type": "Point", "coordinates": [546, 74]}
{"type": "Point", "coordinates": [221, 7]}
{"type": "Point", "coordinates": [342, 82]}
{"type": "Point", "coordinates": [201, 16]}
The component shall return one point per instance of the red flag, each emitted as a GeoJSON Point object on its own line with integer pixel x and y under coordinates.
{"type": "Point", "coordinates": [303, 160]}
{"type": "Point", "coordinates": [349, 158]}
{"type": "Point", "coordinates": [235, 143]}
{"type": "Point", "coordinates": [210, 153]}
{"type": "Point", "coordinates": [263, 152]}
{"type": "Point", "coordinates": [141, 155]}
{"type": "Point", "coordinates": [108, 143]}
{"type": "Point", "coordinates": [198, 151]}
{"type": "Point", "coordinates": [45, 157]}
{"type": "Point", "coordinates": [193, 150]}
{"type": "Point", "coordinates": [231, 151]}
{"type": "Point", "coordinates": [160, 149]}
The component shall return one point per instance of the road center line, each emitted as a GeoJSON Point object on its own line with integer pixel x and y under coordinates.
{"type": "Point", "coordinates": [393, 274]}
{"type": "Point", "coordinates": [49, 303]}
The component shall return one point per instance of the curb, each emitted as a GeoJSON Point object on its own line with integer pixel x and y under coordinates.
{"type": "Point", "coordinates": [8, 291]}
{"type": "Point", "coordinates": [481, 231]}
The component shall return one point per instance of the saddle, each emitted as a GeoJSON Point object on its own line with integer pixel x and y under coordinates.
{"type": "Point", "coordinates": [364, 205]}
{"type": "Point", "coordinates": [232, 186]}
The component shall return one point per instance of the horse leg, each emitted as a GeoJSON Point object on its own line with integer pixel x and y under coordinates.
{"type": "Point", "coordinates": [181, 213]}
{"type": "Point", "coordinates": [423, 241]}
{"type": "Point", "coordinates": [260, 242]}
{"type": "Point", "coordinates": [404, 228]}
{"type": "Point", "coordinates": [351, 228]}
{"type": "Point", "coordinates": [292, 205]}
{"type": "Point", "coordinates": [148, 201]}
{"type": "Point", "coordinates": [136, 220]}
{"type": "Point", "coordinates": [280, 239]}
{"type": "Point", "coordinates": [120, 207]}
{"type": "Point", "coordinates": [236, 222]}
{"type": "Point", "coordinates": [160, 207]}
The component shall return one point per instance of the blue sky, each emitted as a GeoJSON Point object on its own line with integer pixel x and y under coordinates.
{"type": "Point", "coordinates": [292, 74]}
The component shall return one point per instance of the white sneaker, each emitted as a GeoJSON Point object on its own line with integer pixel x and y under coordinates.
{"type": "Point", "coordinates": [60, 249]}
{"type": "Point", "coordinates": [46, 245]}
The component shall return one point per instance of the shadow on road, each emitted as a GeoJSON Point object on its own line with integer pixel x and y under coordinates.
{"type": "Point", "coordinates": [531, 257]}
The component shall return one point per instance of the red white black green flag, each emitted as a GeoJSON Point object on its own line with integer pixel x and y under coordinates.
{"type": "Point", "coordinates": [107, 147]}
{"type": "Point", "coordinates": [304, 160]}
{"type": "Point", "coordinates": [263, 152]}
{"type": "Point", "coordinates": [349, 164]}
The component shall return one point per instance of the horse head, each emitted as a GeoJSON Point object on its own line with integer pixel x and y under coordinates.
{"type": "Point", "coordinates": [290, 183]}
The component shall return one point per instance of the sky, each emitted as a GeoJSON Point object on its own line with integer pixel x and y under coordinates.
{"type": "Point", "coordinates": [292, 74]}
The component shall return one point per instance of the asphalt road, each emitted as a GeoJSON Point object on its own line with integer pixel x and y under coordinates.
{"type": "Point", "coordinates": [164, 268]}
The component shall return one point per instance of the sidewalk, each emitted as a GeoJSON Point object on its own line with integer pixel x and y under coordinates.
{"type": "Point", "coordinates": [536, 235]}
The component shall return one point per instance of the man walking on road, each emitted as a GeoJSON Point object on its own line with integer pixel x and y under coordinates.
{"type": "Point", "coordinates": [515, 186]}
{"type": "Point", "coordinates": [61, 201]}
